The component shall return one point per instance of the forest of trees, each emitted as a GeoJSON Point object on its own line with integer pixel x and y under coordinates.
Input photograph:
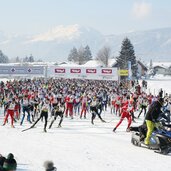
{"type": "Point", "coordinates": [5, 59]}
{"type": "Point", "coordinates": [81, 55]}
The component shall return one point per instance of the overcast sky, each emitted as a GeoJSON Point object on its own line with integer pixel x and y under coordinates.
{"type": "Point", "coordinates": [106, 16]}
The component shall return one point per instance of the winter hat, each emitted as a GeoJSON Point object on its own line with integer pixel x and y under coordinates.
{"type": "Point", "coordinates": [10, 163]}
{"type": "Point", "coordinates": [10, 156]}
{"type": "Point", "coordinates": [49, 166]}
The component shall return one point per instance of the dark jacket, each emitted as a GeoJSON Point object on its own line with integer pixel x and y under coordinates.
{"type": "Point", "coordinates": [154, 111]}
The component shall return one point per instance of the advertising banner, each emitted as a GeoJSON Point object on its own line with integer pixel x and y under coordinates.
{"type": "Point", "coordinates": [83, 73]}
{"type": "Point", "coordinates": [123, 72]}
{"type": "Point", "coordinates": [21, 70]}
{"type": "Point", "coordinates": [129, 71]}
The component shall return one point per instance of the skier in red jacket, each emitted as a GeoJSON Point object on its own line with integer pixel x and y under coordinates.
{"type": "Point", "coordinates": [125, 113]}
{"type": "Point", "coordinates": [10, 111]}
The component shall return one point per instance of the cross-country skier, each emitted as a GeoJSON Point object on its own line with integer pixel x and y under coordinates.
{"type": "Point", "coordinates": [94, 110]}
{"type": "Point", "coordinates": [58, 111]}
{"type": "Point", "coordinates": [10, 108]}
{"type": "Point", "coordinates": [25, 108]}
{"type": "Point", "coordinates": [44, 113]}
{"type": "Point", "coordinates": [143, 106]}
{"type": "Point", "coordinates": [125, 113]}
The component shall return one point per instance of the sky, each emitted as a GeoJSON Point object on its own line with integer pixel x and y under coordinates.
{"type": "Point", "coordinates": [106, 16]}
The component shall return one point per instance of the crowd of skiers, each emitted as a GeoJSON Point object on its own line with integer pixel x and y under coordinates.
{"type": "Point", "coordinates": [38, 99]}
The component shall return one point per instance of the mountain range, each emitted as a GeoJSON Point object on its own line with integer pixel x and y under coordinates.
{"type": "Point", "coordinates": [55, 44]}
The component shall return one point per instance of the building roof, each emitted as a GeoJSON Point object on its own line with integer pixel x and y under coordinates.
{"type": "Point", "coordinates": [164, 67]}
{"type": "Point", "coordinates": [92, 63]}
{"type": "Point", "coordinates": [142, 65]}
{"type": "Point", "coordinates": [162, 64]}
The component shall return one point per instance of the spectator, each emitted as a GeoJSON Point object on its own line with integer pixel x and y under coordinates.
{"type": "Point", "coordinates": [10, 163]}
{"type": "Point", "coordinates": [2, 159]}
{"type": "Point", "coordinates": [49, 166]}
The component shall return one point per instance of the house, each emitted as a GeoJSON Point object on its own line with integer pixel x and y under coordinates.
{"type": "Point", "coordinates": [160, 70]}
{"type": "Point", "coordinates": [163, 68]}
{"type": "Point", "coordinates": [142, 69]}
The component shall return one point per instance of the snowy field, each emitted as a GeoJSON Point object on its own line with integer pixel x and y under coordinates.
{"type": "Point", "coordinates": [80, 146]}
{"type": "Point", "coordinates": [155, 85]}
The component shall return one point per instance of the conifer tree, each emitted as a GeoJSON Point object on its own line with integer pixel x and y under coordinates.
{"type": "Point", "coordinates": [3, 58]}
{"type": "Point", "coordinates": [127, 54]}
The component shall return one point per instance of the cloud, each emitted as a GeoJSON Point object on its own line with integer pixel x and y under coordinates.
{"type": "Point", "coordinates": [141, 9]}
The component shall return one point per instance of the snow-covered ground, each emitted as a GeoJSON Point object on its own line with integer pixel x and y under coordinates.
{"type": "Point", "coordinates": [80, 146]}
{"type": "Point", "coordinates": [155, 85]}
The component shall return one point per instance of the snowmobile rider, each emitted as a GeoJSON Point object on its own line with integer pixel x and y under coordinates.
{"type": "Point", "coordinates": [151, 118]}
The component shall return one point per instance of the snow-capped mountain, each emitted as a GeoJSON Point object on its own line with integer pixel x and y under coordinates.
{"type": "Point", "coordinates": [55, 44]}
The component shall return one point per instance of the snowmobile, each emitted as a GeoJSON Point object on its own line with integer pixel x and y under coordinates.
{"type": "Point", "coordinates": [160, 140]}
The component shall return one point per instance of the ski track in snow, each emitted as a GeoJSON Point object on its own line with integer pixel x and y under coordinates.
{"type": "Point", "coordinates": [80, 146]}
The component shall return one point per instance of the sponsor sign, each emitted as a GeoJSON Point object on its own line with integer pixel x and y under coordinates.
{"type": "Point", "coordinates": [75, 71]}
{"type": "Point", "coordinates": [60, 70]}
{"type": "Point", "coordinates": [106, 71]}
{"type": "Point", "coordinates": [123, 72]}
{"type": "Point", "coordinates": [83, 73]}
{"type": "Point", "coordinates": [91, 71]}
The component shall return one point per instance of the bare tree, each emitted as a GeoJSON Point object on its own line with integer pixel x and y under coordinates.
{"type": "Point", "coordinates": [103, 55]}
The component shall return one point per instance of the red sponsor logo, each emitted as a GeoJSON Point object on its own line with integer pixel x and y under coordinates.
{"type": "Point", "coordinates": [91, 71]}
{"type": "Point", "coordinates": [106, 71]}
{"type": "Point", "coordinates": [75, 70]}
{"type": "Point", "coordinates": [59, 70]}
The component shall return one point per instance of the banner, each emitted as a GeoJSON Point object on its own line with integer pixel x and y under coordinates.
{"type": "Point", "coordinates": [21, 70]}
{"type": "Point", "coordinates": [129, 71]}
{"type": "Point", "coordinates": [83, 73]}
{"type": "Point", "coordinates": [123, 72]}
